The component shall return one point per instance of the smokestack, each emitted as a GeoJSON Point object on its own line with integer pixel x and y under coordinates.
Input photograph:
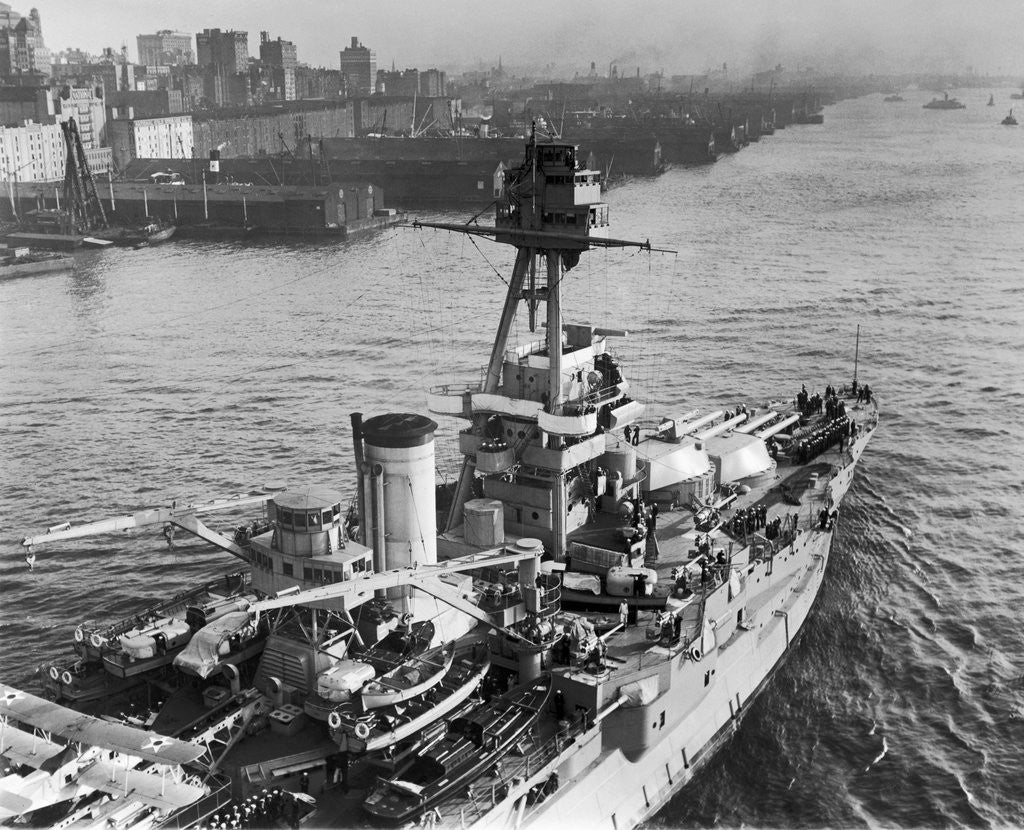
{"type": "Point", "coordinates": [399, 450]}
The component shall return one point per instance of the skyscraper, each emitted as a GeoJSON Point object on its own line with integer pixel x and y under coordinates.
{"type": "Point", "coordinates": [227, 51]}
{"type": "Point", "coordinates": [279, 58]}
{"type": "Point", "coordinates": [359, 68]}
{"type": "Point", "coordinates": [224, 59]}
{"type": "Point", "coordinates": [22, 50]}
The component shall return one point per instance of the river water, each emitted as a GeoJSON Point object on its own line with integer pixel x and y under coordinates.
{"type": "Point", "coordinates": [196, 369]}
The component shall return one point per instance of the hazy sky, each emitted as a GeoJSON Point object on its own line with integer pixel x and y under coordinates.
{"type": "Point", "coordinates": [677, 37]}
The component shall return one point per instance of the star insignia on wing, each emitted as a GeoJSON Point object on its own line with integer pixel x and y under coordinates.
{"type": "Point", "coordinates": [11, 695]}
{"type": "Point", "coordinates": [157, 743]}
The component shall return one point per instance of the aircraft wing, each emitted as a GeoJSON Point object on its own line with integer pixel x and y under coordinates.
{"type": "Point", "coordinates": [19, 747]}
{"type": "Point", "coordinates": [158, 791]}
{"type": "Point", "coordinates": [80, 728]}
{"type": "Point", "coordinates": [12, 804]}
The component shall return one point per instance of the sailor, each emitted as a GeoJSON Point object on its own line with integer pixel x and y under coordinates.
{"type": "Point", "coordinates": [626, 433]}
{"type": "Point", "coordinates": [654, 517]}
{"type": "Point", "coordinates": [560, 703]}
{"type": "Point", "coordinates": [624, 614]}
{"type": "Point", "coordinates": [636, 436]}
{"type": "Point", "coordinates": [867, 393]}
{"type": "Point", "coordinates": [823, 518]}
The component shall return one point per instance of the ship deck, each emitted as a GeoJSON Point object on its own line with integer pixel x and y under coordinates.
{"type": "Point", "coordinates": [675, 547]}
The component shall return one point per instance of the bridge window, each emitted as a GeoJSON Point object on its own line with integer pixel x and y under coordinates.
{"type": "Point", "coordinates": [307, 574]}
{"type": "Point", "coordinates": [300, 521]}
{"type": "Point", "coordinates": [286, 517]}
{"type": "Point", "coordinates": [286, 569]}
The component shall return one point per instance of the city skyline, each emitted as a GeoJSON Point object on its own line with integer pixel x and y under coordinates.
{"type": "Point", "coordinates": [677, 38]}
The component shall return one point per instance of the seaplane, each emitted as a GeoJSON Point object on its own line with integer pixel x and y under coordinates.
{"type": "Point", "coordinates": [57, 755]}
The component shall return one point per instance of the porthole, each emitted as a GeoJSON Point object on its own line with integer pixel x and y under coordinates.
{"type": "Point", "coordinates": [535, 515]}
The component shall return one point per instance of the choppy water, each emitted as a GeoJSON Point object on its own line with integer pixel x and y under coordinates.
{"type": "Point", "coordinates": [196, 369]}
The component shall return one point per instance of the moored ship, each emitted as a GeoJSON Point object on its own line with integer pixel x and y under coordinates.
{"type": "Point", "coordinates": [707, 534]}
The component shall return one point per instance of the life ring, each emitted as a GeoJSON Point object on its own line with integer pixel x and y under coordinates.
{"type": "Point", "coordinates": [362, 731]}
{"type": "Point", "coordinates": [334, 720]}
{"type": "Point", "coordinates": [54, 673]}
{"type": "Point", "coordinates": [696, 654]}
{"type": "Point", "coordinates": [66, 678]}
{"type": "Point", "coordinates": [79, 634]}
{"type": "Point", "coordinates": [96, 640]}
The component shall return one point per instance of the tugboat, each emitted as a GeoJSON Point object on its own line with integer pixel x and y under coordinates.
{"type": "Point", "coordinates": [1009, 121]}
{"type": "Point", "coordinates": [707, 534]}
{"type": "Point", "coordinates": [893, 99]}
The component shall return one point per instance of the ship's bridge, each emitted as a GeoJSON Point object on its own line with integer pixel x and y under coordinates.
{"type": "Point", "coordinates": [556, 197]}
{"type": "Point", "coordinates": [307, 546]}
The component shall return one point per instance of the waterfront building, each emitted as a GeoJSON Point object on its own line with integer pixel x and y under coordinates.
{"type": "Point", "coordinates": [170, 136]}
{"type": "Point", "coordinates": [32, 153]}
{"type": "Point", "coordinates": [404, 114]}
{"type": "Point", "coordinates": [150, 103]}
{"type": "Point", "coordinates": [165, 48]}
{"type": "Point", "coordinates": [271, 130]}
{"type": "Point", "coordinates": [89, 112]}
{"type": "Point", "coordinates": [19, 104]}
{"type": "Point", "coordinates": [359, 68]}
{"type": "Point", "coordinates": [431, 83]}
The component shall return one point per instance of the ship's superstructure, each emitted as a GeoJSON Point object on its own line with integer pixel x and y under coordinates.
{"type": "Point", "coordinates": [637, 578]}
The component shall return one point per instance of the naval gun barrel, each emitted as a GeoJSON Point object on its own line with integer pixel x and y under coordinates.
{"type": "Point", "coordinates": [693, 426]}
{"type": "Point", "coordinates": [722, 427]}
{"type": "Point", "coordinates": [754, 423]}
{"type": "Point", "coordinates": [781, 425]}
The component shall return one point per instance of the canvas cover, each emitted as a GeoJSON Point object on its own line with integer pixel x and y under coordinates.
{"type": "Point", "coordinates": [202, 655]}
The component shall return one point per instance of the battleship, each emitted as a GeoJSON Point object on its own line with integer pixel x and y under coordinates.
{"type": "Point", "coordinates": [607, 593]}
